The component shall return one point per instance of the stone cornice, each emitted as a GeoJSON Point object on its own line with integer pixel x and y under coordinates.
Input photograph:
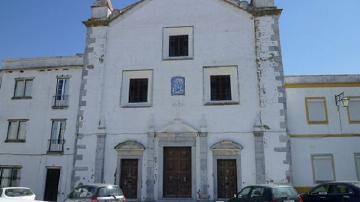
{"type": "Point", "coordinates": [259, 12]}
{"type": "Point", "coordinates": [97, 22]}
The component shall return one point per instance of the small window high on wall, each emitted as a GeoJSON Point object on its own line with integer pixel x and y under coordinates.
{"type": "Point", "coordinates": [178, 43]}
{"type": "Point", "coordinates": [23, 88]}
{"type": "Point", "coordinates": [316, 110]}
{"type": "Point", "coordinates": [323, 167]}
{"type": "Point", "coordinates": [354, 110]}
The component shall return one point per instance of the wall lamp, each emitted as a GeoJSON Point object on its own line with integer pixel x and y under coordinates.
{"type": "Point", "coordinates": [341, 99]}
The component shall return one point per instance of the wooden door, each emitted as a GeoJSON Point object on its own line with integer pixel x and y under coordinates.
{"type": "Point", "coordinates": [226, 178]}
{"type": "Point", "coordinates": [177, 172]}
{"type": "Point", "coordinates": [129, 178]}
{"type": "Point", "coordinates": [52, 184]}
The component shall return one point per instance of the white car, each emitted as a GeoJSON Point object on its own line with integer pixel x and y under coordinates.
{"type": "Point", "coordinates": [17, 193]}
{"type": "Point", "coordinates": [96, 193]}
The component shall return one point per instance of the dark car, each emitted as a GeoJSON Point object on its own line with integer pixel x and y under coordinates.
{"type": "Point", "coordinates": [267, 193]}
{"type": "Point", "coordinates": [334, 192]}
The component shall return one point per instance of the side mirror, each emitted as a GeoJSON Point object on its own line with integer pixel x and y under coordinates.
{"type": "Point", "coordinates": [239, 196]}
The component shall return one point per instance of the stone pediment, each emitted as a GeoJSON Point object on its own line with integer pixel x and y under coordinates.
{"type": "Point", "coordinates": [178, 126]}
{"type": "Point", "coordinates": [242, 6]}
{"type": "Point", "coordinates": [129, 145]}
{"type": "Point", "coordinates": [226, 145]}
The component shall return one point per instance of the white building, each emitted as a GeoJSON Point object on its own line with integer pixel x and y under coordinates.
{"type": "Point", "coordinates": [172, 102]}
{"type": "Point", "coordinates": [38, 112]}
{"type": "Point", "coordinates": [324, 135]}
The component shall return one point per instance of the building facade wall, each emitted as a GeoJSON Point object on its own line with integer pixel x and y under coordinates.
{"type": "Point", "coordinates": [338, 137]}
{"type": "Point", "coordinates": [33, 155]}
{"type": "Point", "coordinates": [133, 41]}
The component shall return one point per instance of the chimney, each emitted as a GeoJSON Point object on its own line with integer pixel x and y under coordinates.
{"type": "Point", "coordinates": [262, 3]}
{"type": "Point", "coordinates": [101, 9]}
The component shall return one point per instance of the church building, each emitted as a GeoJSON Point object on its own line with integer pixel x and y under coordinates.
{"type": "Point", "coordinates": [175, 100]}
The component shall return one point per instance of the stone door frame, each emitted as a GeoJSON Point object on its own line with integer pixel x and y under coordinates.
{"type": "Point", "coordinates": [175, 140]}
{"type": "Point", "coordinates": [130, 150]}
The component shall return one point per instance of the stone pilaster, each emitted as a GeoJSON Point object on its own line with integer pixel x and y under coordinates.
{"type": "Point", "coordinates": [150, 164]}
{"type": "Point", "coordinates": [259, 157]}
{"type": "Point", "coordinates": [204, 184]}
{"type": "Point", "coordinates": [100, 158]}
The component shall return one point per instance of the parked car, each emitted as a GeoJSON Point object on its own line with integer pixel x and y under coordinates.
{"type": "Point", "coordinates": [267, 193]}
{"type": "Point", "coordinates": [17, 193]}
{"type": "Point", "coordinates": [334, 192]}
{"type": "Point", "coordinates": [96, 193]}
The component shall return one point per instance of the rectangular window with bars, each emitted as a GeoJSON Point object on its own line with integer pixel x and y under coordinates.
{"type": "Point", "coordinates": [16, 131]}
{"type": "Point", "coordinates": [220, 87]}
{"type": "Point", "coordinates": [23, 88]}
{"type": "Point", "coordinates": [9, 176]}
{"type": "Point", "coordinates": [138, 90]}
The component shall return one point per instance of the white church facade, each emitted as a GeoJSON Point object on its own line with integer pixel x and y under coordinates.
{"type": "Point", "coordinates": [174, 100]}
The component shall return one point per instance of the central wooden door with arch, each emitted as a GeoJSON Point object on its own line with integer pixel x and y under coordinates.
{"type": "Point", "coordinates": [177, 172]}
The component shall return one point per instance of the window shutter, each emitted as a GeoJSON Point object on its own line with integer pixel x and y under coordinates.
{"type": "Point", "coordinates": [28, 88]}
{"type": "Point", "coordinates": [323, 168]}
{"type": "Point", "coordinates": [13, 130]}
{"type": "Point", "coordinates": [19, 88]}
{"type": "Point", "coordinates": [54, 131]}
{"type": "Point", "coordinates": [14, 177]}
{"type": "Point", "coordinates": [22, 130]}
{"type": "Point", "coordinates": [66, 87]}
{"type": "Point", "coordinates": [6, 176]}
{"type": "Point", "coordinates": [62, 130]}
{"type": "Point", "coordinates": [59, 87]}
{"type": "Point", "coordinates": [354, 109]}
{"type": "Point", "coordinates": [316, 110]}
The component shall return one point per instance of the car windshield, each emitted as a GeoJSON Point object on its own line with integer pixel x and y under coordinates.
{"type": "Point", "coordinates": [280, 192]}
{"type": "Point", "coordinates": [16, 192]}
{"type": "Point", "coordinates": [83, 192]}
{"type": "Point", "coordinates": [109, 191]}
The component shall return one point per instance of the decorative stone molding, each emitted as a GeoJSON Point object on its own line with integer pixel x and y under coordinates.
{"type": "Point", "coordinates": [178, 126]}
{"type": "Point", "coordinates": [129, 145]}
{"type": "Point", "coordinates": [226, 147]}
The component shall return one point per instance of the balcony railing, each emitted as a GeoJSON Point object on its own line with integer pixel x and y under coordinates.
{"type": "Point", "coordinates": [56, 145]}
{"type": "Point", "coordinates": [60, 101]}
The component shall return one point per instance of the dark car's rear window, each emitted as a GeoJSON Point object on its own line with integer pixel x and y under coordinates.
{"type": "Point", "coordinates": [109, 191]}
{"type": "Point", "coordinates": [83, 192]}
{"type": "Point", "coordinates": [280, 192]}
{"type": "Point", "coordinates": [16, 192]}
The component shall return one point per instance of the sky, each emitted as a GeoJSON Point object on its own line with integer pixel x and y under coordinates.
{"type": "Point", "coordinates": [317, 36]}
